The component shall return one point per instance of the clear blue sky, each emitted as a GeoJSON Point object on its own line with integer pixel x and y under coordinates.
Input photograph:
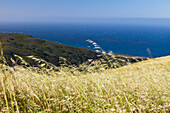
{"type": "Point", "coordinates": [73, 10]}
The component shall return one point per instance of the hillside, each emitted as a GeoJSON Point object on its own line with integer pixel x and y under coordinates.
{"type": "Point", "coordinates": [139, 87]}
{"type": "Point", "coordinates": [25, 45]}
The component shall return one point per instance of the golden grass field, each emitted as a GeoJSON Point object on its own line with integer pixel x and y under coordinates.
{"type": "Point", "coordinates": [142, 87]}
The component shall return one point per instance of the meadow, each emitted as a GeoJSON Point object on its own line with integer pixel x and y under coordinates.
{"type": "Point", "coordinates": [141, 87]}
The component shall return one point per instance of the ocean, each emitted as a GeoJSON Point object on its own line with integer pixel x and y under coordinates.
{"type": "Point", "coordinates": [129, 39]}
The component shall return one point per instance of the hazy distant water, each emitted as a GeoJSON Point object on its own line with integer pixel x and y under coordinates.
{"type": "Point", "coordinates": [131, 39]}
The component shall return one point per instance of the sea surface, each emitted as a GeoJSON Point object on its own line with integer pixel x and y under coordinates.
{"type": "Point", "coordinates": [130, 39]}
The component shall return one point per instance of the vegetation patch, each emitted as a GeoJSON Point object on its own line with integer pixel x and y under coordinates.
{"type": "Point", "coordinates": [139, 87]}
{"type": "Point", "coordinates": [25, 45]}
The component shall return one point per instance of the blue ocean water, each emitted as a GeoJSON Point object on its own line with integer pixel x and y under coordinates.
{"type": "Point", "coordinates": [130, 39]}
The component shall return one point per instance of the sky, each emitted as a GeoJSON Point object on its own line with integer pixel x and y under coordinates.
{"type": "Point", "coordinates": [81, 10]}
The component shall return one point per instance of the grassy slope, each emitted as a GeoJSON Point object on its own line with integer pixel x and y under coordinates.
{"type": "Point", "coordinates": [25, 45]}
{"type": "Point", "coordinates": [140, 87]}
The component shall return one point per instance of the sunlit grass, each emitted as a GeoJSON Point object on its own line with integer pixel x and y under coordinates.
{"type": "Point", "coordinates": [140, 87]}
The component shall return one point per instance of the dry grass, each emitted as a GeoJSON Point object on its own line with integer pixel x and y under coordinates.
{"type": "Point", "coordinates": [139, 87]}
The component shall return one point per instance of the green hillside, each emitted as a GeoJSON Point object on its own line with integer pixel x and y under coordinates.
{"type": "Point", "coordinates": [25, 45]}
